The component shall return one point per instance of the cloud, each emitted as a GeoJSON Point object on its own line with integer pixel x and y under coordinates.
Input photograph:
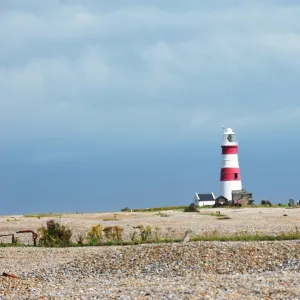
{"type": "Point", "coordinates": [145, 74]}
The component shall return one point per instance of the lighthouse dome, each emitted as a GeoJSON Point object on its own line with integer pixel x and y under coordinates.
{"type": "Point", "coordinates": [229, 137]}
{"type": "Point", "coordinates": [228, 131]}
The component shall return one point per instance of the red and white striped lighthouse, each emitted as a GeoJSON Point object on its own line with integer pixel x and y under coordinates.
{"type": "Point", "coordinates": [230, 171]}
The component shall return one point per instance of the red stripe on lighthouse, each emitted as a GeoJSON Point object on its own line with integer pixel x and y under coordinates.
{"type": "Point", "coordinates": [232, 149]}
{"type": "Point", "coordinates": [230, 174]}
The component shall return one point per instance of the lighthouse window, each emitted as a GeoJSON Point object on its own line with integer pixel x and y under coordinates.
{"type": "Point", "coordinates": [231, 138]}
{"type": "Point", "coordinates": [236, 176]}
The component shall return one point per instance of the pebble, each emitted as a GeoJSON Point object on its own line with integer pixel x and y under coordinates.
{"type": "Point", "coordinates": [193, 270]}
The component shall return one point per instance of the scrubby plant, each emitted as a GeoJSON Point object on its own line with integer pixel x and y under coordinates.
{"type": "Point", "coordinates": [55, 234]}
{"type": "Point", "coordinates": [133, 236]}
{"type": "Point", "coordinates": [80, 238]}
{"type": "Point", "coordinates": [94, 236]}
{"type": "Point", "coordinates": [126, 209]}
{"type": "Point", "coordinates": [191, 208]}
{"type": "Point", "coordinates": [169, 233]}
{"type": "Point", "coordinates": [163, 214]}
{"type": "Point", "coordinates": [145, 232]}
{"type": "Point", "coordinates": [114, 233]}
{"type": "Point", "coordinates": [157, 234]}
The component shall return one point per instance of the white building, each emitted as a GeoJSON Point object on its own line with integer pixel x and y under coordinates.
{"type": "Point", "coordinates": [204, 199]}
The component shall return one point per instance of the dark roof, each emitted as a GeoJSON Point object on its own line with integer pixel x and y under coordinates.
{"type": "Point", "coordinates": [221, 198]}
{"type": "Point", "coordinates": [206, 197]}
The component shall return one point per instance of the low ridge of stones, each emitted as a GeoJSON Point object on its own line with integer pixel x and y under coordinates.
{"type": "Point", "coordinates": [199, 270]}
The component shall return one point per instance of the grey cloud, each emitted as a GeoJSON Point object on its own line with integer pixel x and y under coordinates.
{"type": "Point", "coordinates": [137, 73]}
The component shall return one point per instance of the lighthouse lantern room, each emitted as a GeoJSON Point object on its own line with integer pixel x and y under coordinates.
{"type": "Point", "coordinates": [230, 171]}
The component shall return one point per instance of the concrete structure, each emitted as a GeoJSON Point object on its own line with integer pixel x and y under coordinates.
{"type": "Point", "coordinates": [230, 171]}
{"type": "Point", "coordinates": [204, 199]}
{"type": "Point", "coordinates": [242, 198]}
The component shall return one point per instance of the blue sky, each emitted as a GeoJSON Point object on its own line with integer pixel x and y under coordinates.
{"type": "Point", "coordinates": [107, 104]}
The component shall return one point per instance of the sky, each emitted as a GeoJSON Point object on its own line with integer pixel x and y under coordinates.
{"type": "Point", "coordinates": [108, 104]}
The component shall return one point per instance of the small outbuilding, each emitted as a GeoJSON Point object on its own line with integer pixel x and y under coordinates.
{"type": "Point", "coordinates": [204, 199]}
{"type": "Point", "coordinates": [221, 201]}
{"type": "Point", "coordinates": [242, 198]}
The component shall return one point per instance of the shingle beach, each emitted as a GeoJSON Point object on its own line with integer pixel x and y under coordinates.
{"type": "Point", "coordinates": [193, 270]}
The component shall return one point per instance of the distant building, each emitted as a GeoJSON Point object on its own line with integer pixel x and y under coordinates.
{"type": "Point", "coordinates": [204, 199]}
{"type": "Point", "coordinates": [221, 201]}
{"type": "Point", "coordinates": [241, 198]}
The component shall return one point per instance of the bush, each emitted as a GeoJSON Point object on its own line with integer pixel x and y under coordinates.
{"type": "Point", "coordinates": [126, 209]}
{"type": "Point", "coordinates": [145, 232]}
{"type": "Point", "coordinates": [80, 238]}
{"type": "Point", "coordinates": [157, 234]}
{"type": "Point", "coordinates": [94, 236]}
{"type": "Point", "coordinates": [55, 234]}
{"type": "Point", "coordinates": [191, 208]}
{"type": "Point", "coordinates": [113, 233]}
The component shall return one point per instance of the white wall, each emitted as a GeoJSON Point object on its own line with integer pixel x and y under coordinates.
{"type": "Point", "coordinates": [207, 203]}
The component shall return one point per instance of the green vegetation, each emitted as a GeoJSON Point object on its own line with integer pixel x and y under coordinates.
{"type": "Point", "coordinates": [54, 234]}
{"type": "Point", "coordinates": [46, 215]}
{"type": "Point", "coordinates": [163, 214]}
{"type": "Point", "coordinates": [217, 214]}
{"type": "Point", "coordinates": [94, 236]}
{"type": "Point", "coordinates": [111, 219]}
{"type": "Point", "coordinates": [246, 236]}
{"type": "Point", "coordinates": [223, 217]}
{"type": "Point", "coordinates": [12, 219]}
{"type": "Point", "coordinates": [191, 208]}
{"type": "Point", "coordinates": [146, 235]}
{"type": "Point", "coordinates": [153, 209]}
{"type": "Point", "coordinates": [113, 233]}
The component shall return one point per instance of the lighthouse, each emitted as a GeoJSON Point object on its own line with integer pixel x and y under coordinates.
{"type": "Point", "coordinates": [230, 171]}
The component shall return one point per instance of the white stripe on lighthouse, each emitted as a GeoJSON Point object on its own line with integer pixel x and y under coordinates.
{"type": "Point", "coordinates": [230, 161]}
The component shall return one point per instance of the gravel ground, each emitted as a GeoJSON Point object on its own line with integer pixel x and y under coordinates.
{"type": "Point", "coordinates": [172, 223]}
{"type": "Point", "coordinates": [195, 270]}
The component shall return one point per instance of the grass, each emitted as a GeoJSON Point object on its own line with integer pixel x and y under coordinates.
{"type": "Point", "coordinates": [162, 214]}
{"type": "Point", "coordinates": [12, 219]}
{"type": "Point", "coordinates": [111, 219]}
{"type": "Point", "coordinates": [166, 208]}
{"type": "Point", "coordinates": [154, 209]}
{"type": "Point", "coordinates": [45, 215]}
{"type": "Point", "coordinates": [13, 245]}
{"type": "Point", "coordinates": [224, 217]}
{"type": "Point", "coordinates": [205, 237]}
{"type": "Point", "coordinates": [216, 215]}
{"type": "Point", "coordinates": [247, 237]}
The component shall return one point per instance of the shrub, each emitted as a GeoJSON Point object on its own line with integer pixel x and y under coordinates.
{"type": "Point", "coordinates": [55, 234]}
{"type": "Point", "coordinates": [80, 238]}
{"type": "Point", "coordinates": [163, 214]}
{"type": "Point", "coordinates": [94, 236]}
{"type": "Point", "coordinates": [157, 233]}
{"type": "Point", "coordinates": [114, 233]}
{"type": "Point", "coordinates": [133, 236]}
{"type": "Point", "coordinates": [145, 232]}
{"type": "Point", "coordinates": [125, 209]}
{"type": "Point", "coordinates": [191, 208]}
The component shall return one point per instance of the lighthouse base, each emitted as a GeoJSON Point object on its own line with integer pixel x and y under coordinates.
{"type": "Point", "coordinates": [228, 186]}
